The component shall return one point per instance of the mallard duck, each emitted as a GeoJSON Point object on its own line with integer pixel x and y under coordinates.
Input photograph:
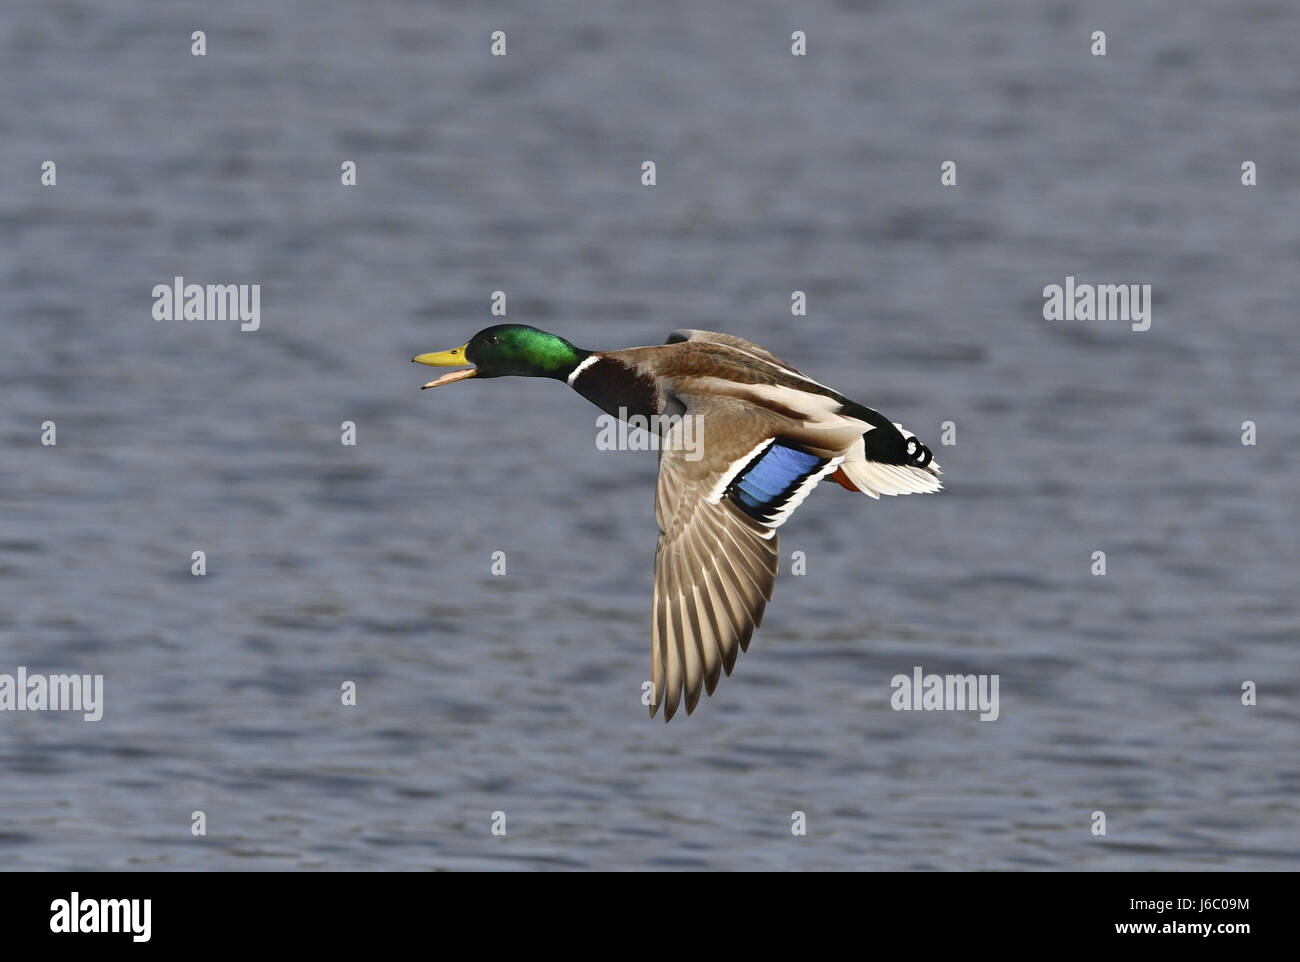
{"type": "Point", "coordinates": [768, 434]}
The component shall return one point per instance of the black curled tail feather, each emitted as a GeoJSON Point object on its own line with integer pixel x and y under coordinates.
{"type": "Point", "coordinates": [918, 454]}
{"type": "Point", "coordinates": [889, 445]}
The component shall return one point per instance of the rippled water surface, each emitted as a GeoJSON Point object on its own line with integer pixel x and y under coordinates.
{"type": "Point", "coordinates": [521, 693]}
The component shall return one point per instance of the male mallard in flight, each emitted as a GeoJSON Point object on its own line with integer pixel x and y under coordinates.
{"type": "Point", "coordinates": [768, 435]}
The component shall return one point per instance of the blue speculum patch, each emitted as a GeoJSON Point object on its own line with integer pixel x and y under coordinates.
{"type": "Point", "coordinates": [768, 480]}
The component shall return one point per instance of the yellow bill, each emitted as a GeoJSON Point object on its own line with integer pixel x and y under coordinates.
{"type": "Point", "coordinates": [453, 358]}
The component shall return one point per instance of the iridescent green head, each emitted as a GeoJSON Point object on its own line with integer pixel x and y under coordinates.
{"type": "Point", "coordinates": [507, 349]}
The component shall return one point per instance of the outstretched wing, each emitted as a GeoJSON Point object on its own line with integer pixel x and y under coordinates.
{"type": "Point", "coordinates": [718, 504]}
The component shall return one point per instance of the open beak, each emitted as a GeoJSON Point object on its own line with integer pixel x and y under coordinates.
{"type": "Point", "coordinates": [452, 358]}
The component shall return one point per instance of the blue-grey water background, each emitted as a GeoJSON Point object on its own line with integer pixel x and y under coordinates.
{"type": "Point", "coordinates": [521, 693]}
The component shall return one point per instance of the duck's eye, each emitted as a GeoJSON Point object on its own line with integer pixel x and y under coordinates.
{"type": "Point", "coordinates": [493, 339]}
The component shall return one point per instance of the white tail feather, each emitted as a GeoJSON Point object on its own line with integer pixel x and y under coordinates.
{"type": "Point", "coordinates": [877, 479]}
{"type": "Point", "coordinates": [874, 479]}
